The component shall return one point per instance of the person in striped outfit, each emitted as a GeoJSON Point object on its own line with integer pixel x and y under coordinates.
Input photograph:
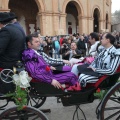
{"type": "Point", "coordinates": [106, 63]}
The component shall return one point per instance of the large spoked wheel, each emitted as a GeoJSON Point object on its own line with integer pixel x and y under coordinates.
{"type": "Point", "coordinates": [35, 100]}
{"type": "Point", "coordinates": [29, 113]}
{"type": "Point", "coordinates": [110, 106]}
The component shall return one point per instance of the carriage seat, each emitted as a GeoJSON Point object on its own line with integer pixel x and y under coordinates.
{"type": "Point", "coordinates": [106, 81]}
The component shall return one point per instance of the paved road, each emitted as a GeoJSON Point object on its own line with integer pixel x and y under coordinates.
{"type": "Point", "coordinates": [59, 112]}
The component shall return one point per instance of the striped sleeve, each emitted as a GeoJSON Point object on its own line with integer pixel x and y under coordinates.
{"type": "Point", "coordinates": [93, 64]}
{"type": "Point", "coordinates": [51, 60]}
{"type": "Point", "coordinates": [115, 62]}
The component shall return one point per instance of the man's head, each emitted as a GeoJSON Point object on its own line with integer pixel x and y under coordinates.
{"type": "Point", "coordinates": [107, 40]}
{"type": "Point", "coordinates": [32, 42]}
{"type": "Point", "coordinates": [81, 38]}
{"type": "Point", "coordinates": [37, 34]}
{"type": "Point", "coordinates": [93, 37]}
{"type": "Point", "coordinates": [73, 46]}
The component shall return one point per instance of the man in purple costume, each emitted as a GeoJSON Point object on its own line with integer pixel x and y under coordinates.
{"type": "Point", "coordinates": [40, 70]}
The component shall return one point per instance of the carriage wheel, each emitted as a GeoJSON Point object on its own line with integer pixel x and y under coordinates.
{"type": "Point", "coordinates": [29, 113]}
{"type": "Point", "coordinates": [110, 107]}
{"type": "Point", "coordinates": [35, 100]}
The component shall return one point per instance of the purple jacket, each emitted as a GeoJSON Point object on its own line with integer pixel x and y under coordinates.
{"type": "Point", "coordinates": [36, 66]}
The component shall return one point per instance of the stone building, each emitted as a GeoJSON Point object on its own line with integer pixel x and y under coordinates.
{"type": "Point", "coordinates": [56, 17]}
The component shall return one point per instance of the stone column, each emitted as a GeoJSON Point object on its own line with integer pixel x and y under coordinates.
{"type": "Point", "coordinates": [109, 26]}
{"type": "Point", "coordinates": [82, 24]}
{"type": "Point", "coordinates": [56, 26]}
{"type": "Point", "coordinates": [90, 20]}
{"type": "Point", "coordinates": [4, 6]}
{"type": "Point", "coordinates": [62, 24]}
{"type": "Point", "coordinates": [101, 26]}
{"type": "Point", "coordinates": [42, 25]}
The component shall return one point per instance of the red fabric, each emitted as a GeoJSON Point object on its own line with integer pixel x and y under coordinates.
{"type": "Point", "coordinates": [33, 80]}
{"type": "Point", "coordinates": [100, 80]}
{"type": "Point", "coordinates": [118, 70]}
{"type": "Point", "coordinates": [47, 68]}
{"type": "Point", "coordinates": [69, 30]}
{"type": "Point", "coordinates": [61, 40]}
{"type": "Point", "coordinates": [1, 69]}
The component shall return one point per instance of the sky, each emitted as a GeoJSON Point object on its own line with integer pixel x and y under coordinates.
{"type": "Point", "coordinates": [115, 5]}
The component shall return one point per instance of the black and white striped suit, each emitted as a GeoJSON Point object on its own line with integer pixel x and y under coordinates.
{"type": "Point", "coordinates": [50, 60]}
{"type": "Point", "coordinates": [106, 62]}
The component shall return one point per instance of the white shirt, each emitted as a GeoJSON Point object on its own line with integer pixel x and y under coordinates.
{"type": "Point", "coordinates": [93, 48]}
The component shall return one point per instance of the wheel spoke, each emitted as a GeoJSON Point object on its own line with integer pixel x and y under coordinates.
{"type": "Point", "coordinates": [118, 118]}
{"type": "Point", "coordinates": [111, 108]}
{"type": "Point", "coordinates": [111, 116]}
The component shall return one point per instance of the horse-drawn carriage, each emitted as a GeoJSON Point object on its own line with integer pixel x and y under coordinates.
{"type": "Point", "coordinates": [39, 92]}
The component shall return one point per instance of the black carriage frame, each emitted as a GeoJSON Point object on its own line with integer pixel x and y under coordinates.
{"type": "Point", "coordinates": [40, 91]}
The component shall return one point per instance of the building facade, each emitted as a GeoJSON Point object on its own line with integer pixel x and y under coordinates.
{"type": "Point", "coordinates": [59, 17]}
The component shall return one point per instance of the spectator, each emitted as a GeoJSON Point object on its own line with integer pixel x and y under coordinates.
{"type": "Point", "coordinates": [12, 42]}
{"type": "Point", "coordinates": [81, 45]}
{"type": "Point", "coordinates": [72, 52]}
{"type": "Point", "coordinates": [94, 40]}
{"type": "Point", "coordinates": [56, 47]}
{"type": "Point", "coordinates": [49, 47]}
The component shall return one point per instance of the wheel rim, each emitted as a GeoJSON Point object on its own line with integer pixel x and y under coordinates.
{"type": "Point", "coordinates": [28, 113]}
{"type": "Point", "coordinates": [110, 108]}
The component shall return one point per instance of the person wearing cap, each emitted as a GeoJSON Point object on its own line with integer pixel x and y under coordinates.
{"type": "Point", "coordinates": [12, 42]}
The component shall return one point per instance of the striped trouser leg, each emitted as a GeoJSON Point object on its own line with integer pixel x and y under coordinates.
{"type": "Point", "coordinates": [84, 79]}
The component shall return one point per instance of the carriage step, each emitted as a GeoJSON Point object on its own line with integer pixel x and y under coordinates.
{"type": "Point", "coordinates": [46, 110]}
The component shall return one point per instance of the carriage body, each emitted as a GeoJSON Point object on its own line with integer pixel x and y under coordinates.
{"type": "Point", "coordinates": [43, 90]}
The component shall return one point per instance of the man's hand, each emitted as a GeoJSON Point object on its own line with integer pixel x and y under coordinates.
{"type": "Point", "coordinates": [92, 68]}
{"type": "Point", "coordinates": [74, 52]}
{"type": "Point", "coordinates": [52, 68]}
{"type": "Point", "coordinates": [56, 84]}
{"type": "Point", "coordinates": [66, 62]}
{"type": "Point", "coordinates": [68, 52]}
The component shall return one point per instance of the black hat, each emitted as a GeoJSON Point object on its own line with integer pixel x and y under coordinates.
{"type": "Point", "coordinates": [12, 15]}
{"type": "Point", "coordinates": [5, 17]}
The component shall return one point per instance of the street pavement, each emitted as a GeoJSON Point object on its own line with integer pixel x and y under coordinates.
{"type": "Point", "coordinates": [59, 112]}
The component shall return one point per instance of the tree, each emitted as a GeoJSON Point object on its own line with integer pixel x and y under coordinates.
{"type": "Point", "coordinates": [116, 17]}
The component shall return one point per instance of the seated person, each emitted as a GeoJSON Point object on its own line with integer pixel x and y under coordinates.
{"type": "Point", "coordinates": [72, 52]}
{"type": "Point", "coordinates": [64, 47]}
{"type": "Point", "coordinates": [81, 45]}
{"type": "Point", "coordinates": [40, 70]}
{"type": "Point", "coordinates": [106, 62]}
{"type": "Point", "coordinates": [58, 64]}
{"type": "Point", "coordinates": [94, 41]}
